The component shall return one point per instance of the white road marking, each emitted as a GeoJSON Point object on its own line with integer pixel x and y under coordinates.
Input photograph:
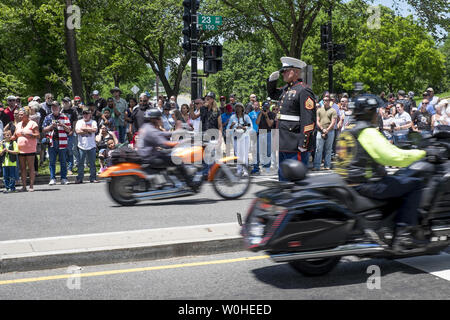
{"type": "Point", "coordinates": [438, 265]}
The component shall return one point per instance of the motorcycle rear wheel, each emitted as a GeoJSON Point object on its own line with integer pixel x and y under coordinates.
{"type": "Point", "coordinates": [121, 189]}
{"type": "Point", "coordinates": [315, 267]}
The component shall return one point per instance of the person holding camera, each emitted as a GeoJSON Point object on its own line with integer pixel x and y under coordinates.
{"type": "Point", "coordinates": [241, 124]}
{"type": "Point", "coordinates": [254, 114]}
{"type": "Point", "coordinates": [265, 122]}
{"type": "Point", "coordinates": [403, 122]}
{"type": "Point", "coordinates": [326, 119]}
{"type": "Point", "coordinates": [8, 159]}
{"type": "Point", "coordinates": [57, 128]}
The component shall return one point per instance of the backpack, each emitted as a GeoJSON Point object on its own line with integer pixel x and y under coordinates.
{"type": "Point", "coordinates": [12, 157]}
{"type": "Point", "coordinates": [125, 154]}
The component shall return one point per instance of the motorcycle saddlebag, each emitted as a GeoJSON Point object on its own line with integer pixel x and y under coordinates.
{"type": "Point", "coordinates": [125, 154]}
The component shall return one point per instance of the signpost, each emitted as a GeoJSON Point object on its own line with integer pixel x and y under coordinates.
{"type": "Point", "coordinates": [135, 89]}
{"type": "Point", "coordinates": [209, 20]}
{"type": "Point", "coordinates": [209, 27]}
{"type": "Point", "coordinates": [192, 21]}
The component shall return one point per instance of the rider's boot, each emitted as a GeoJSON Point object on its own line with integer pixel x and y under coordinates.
{"type": "Point", "coordinates": [405, 239]}
{"type": "Point", "coordinates": [188, 178]}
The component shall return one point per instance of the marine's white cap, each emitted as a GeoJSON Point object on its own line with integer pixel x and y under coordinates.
{"type": "Point", "coordinates": [289, 62]}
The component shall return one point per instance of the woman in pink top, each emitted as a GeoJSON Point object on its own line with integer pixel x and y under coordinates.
{"type": "Point", "coordinates": [26, 135]}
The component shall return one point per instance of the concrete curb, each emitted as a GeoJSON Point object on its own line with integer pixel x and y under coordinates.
{"type": "Point", "coordinates": [44, 179]}
{"type": "Point", "coordinates": [107, 248]}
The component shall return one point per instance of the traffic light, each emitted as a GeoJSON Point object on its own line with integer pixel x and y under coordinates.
{"type": "Point", "coordinates": [212, 55]}
{"type": "Point", "coordinates": [339, 52]}
{"type": "Point", "coordinates": [325, 35]}
{"type": "Point", "coordinates": [187, 19]}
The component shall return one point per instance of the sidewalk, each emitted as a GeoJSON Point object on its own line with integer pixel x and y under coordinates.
{"type": "Point", "coordinates": [45, 179]}
{"type": "Point", "coordinates": [115, 247]}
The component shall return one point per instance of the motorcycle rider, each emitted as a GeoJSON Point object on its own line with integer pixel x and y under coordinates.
{"type": "Point", "coordinates": [363, 153]}
{"type": "Point", "coordinates": [154, 146]}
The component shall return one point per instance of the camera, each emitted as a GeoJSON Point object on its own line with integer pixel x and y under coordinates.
{"type": "Point", "coordinates": [266, 106]}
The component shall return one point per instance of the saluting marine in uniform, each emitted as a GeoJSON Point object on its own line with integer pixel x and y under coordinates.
{"type": "Point", "coordinates": [297, 116]}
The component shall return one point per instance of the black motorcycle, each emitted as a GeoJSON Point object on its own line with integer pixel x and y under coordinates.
{"type": "Point", "coordinates": [312, 221]}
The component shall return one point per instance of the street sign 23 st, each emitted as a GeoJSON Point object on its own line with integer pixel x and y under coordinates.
{"type": "Point", "coordinates": [209, 20]}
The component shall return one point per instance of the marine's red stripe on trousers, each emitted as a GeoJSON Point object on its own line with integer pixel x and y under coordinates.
{"type": "Point", "coordinates": [299, 156]}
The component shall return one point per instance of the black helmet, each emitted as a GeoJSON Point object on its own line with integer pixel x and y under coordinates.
{"type": "Point", "coordinates": [293, 170]}
{"type": "Point", "coordinates": [152, 114]}
{"type": "Point", "coordinates": [365, 106]}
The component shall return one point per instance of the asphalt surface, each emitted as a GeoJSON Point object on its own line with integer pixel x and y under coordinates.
{"type": "Point", "coordinates": [231, 276]}
{"type": "Point", "coordinates": [63, 210]}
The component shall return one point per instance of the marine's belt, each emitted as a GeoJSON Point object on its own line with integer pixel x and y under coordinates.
{"type": "Point", "coordinates": [289, 118]}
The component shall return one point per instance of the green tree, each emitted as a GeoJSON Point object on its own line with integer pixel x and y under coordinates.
{"type": "Point", "coordinates": [433, 14]}
{"type": "Point", "coordinates": [31, 44]}
{"type": "Point", "coordinates": [398, 55]}
{"type": "Point", "coordinates": [289, 22]}
{"type": "Point", "coordinates": [445, 50]}
{"type": "Point", "coordinates": [245, 68]}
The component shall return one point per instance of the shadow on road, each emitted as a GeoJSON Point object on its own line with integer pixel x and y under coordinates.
{"type": "Point", "coordinates": [200, 201]}
{"type": "Point", "coordinates": [36, 190]}
{"type": "Point", "coordinates": [45, 190]}
{"type": "Point", "coordinates": [283, 276]}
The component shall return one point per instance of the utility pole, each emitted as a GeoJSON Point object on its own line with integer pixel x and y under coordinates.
{"type": "Point", "coordinates": [190, 40]}
{"type": "Point", "coordinates": [194, 51]}
{"type": "Point", "coordinates": [335, 51]}
{"type": "Point", "coordinates": [330, 50]}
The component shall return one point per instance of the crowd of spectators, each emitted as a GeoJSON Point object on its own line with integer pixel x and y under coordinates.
{"type": "Point", "coordinates": [398, 116]}
{"type": "Point", "coordinates": [76, 134]}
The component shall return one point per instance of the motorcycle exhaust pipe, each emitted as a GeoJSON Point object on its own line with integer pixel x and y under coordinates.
{"type": "Point", "coordinates": [155, 193]}
{"type": "Point", "coordinates": [344, 250]}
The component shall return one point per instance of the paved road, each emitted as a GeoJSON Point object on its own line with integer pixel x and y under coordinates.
{"type": "Point", "coordinates": [79, 209]}
{"type": "Point", "coordinates": [59, 210]}
{"type": "Point", "coordinates": [234, 276]}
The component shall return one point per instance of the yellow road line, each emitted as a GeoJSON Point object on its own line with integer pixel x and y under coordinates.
{"type": "Point", "coordinates": [112, 272]}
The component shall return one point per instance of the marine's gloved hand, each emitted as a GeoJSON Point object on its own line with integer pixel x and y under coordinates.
{"type": "Point", "coordinates": [274, 76]}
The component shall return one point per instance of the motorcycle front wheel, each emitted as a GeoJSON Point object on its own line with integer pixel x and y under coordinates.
{"type": "Point", "coordinates": [227, 188]}
{"type": "Point", "coordinates": [315, 267]}
{"type": "Point", "coordinates": [121, 189]}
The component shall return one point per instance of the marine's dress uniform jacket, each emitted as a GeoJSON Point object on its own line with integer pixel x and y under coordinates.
{"type": "Point", "coordinates": [297, 116]}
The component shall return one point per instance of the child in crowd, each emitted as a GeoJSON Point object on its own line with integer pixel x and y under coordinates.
{"type": "Point", "coordinates": [104, 155]}
{"type": "Point", "coordinates": [9, 151]}
{"type": "Point", "coordinates": [107, 120]}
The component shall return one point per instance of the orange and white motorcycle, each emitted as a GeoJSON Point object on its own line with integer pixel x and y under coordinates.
{"type": "Point", "coordinates": [130, 182]}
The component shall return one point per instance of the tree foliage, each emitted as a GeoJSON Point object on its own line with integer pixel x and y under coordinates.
{"type": "Point", "coordinates": [128, 42]}
{"type": "Point", "coordinates": [398, 55]}
{"type": "Point", "coordinates": [245, 68]}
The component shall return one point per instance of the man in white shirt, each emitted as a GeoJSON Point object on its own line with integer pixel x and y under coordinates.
{"type": "Point", "coordinates": [86, 129]}
{"type": "Point", "coordinates": [402, 122]}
